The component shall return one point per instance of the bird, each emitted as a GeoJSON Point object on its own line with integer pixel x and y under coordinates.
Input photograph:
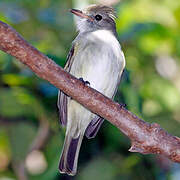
{"type": "Point", "coordinates": [96, 58]}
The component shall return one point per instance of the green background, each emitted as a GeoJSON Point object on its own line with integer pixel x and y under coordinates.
{"type": "Point", "coordinates": [31, 138]}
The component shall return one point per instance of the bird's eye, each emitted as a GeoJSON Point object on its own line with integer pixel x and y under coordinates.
{"type": "Point", "coordinates": [98, 17]}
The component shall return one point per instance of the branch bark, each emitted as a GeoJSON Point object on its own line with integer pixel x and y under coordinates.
{"type": "Point", "coordinates": [145, 138]}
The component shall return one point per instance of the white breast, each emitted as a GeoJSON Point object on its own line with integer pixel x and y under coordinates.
{"type": "Point", "coordinates": [99, 60]}
{"type": "Point", "coordinates": [106, 36]}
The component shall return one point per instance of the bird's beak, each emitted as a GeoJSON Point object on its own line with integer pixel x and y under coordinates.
{"type": "Point", "coordinates": [81, 14]}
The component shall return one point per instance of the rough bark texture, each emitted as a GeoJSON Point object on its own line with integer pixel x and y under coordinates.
{"type": "Point", "coordinates": [145, 138]}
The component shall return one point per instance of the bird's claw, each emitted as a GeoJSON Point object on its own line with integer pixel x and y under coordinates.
{"type": "Point", "coordinates": [123, 105]}
{"type": "Point", "coordinates": [84, 82]}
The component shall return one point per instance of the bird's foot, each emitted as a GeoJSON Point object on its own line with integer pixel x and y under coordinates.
{"type": "Point", "coordinates": [122, 105]}
{"type": "Point", "coordinates": [84, 82]}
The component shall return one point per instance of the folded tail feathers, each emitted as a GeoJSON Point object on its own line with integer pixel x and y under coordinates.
{"type": "Point", "coordinates": [69, 157]}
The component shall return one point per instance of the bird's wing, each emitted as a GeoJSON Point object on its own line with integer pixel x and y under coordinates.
{"type": "Point", "coordinates": [70, 58]}
{"type": "Point", "coordinates": [94, 127]}
{"type": "Point", "coordinates": [120, 75]}
{"type": "Point", "coordinates": [62, 97]}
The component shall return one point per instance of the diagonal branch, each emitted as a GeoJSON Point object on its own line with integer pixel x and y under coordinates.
{"type": "Point", "coordinates": [145, 138]}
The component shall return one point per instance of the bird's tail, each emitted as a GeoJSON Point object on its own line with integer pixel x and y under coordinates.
{"type": "Point", "coordinates": [69, 157]}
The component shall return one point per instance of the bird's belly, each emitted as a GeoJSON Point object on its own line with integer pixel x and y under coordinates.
{"type": "Point", "coordinates": [100, 68]}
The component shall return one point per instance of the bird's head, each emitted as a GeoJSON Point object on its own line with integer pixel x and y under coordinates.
{"type": "Point", "coordinates": [95, 17]}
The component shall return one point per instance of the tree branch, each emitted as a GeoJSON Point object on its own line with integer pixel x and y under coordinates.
{"type": "Point", "coordinates": [145, 138]}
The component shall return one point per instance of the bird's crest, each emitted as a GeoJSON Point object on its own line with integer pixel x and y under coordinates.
{"type": "Point", "coordinates": [102, 8]}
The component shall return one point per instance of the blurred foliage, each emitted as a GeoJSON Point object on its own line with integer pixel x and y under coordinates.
{"type": "Point", "coordinates": [149, 34]}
